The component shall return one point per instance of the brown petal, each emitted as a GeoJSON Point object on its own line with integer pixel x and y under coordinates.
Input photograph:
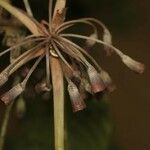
{"type": "Point", "coordinates": [107, 81]}
{"type": "Point", "coordinates": [77, 102]}
{"type": "Point", "coordinates": [133, 65]}
{"type": "Point", "coordinates": [107, 38]}
{"type": "Point", "coordinates": [90, 43]}
{"type": "Point", "coordinates": [97, 84]}
{"type": "Point", "coordinates": [3, 78]}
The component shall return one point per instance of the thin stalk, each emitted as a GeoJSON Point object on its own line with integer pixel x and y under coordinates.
{"type": "Point", "coordinates": [50, 13]}
{"type": "Point", "coordinates": [58, 99]}
{"type": "Point", "coordinates": [5, 124]}
{"type": "Point", "coordinates": [118, 52]}
{"type": "Point", "coordinates": [6, 119]}
{"type": "Point", "coordinates": [28, 8]}
{"type": "Point", "coordinates": [58, 88]}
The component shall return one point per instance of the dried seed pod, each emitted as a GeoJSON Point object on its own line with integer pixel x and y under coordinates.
{"type": "Point", "coordinates": [107, 38]}
{"type": "Point", "coordinates": [97, 84]}
{"type": "Point", "coordinates": [77, 102]}
{"type": "Point", "coordinates": [13, 93]}
{"type": "Point", "coordinates": [42, 87]}
{"type": "Point", "coordinates": [107, 81]}
{"type": "Point", "coordinates": [3, 78]}
{"type": "Point", "coordinates": [133, 65]}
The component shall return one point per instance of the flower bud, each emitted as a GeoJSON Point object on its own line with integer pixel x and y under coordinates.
{"type": "Point", "coordinates": [3, 78]}
{"type": "Point", "coordinates": [12, 94]}
{"type": "Point", "coordinates": [107, 80]}
{"type": "Point", "coordinates": [133, 65]}
{"type": "Point", "coordinates": [77, 102]}
{"type": "Point", "coordinates": [97, 85]}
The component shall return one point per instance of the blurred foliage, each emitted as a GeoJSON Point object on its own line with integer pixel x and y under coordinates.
{"type": "Point", "coordinates": [90, 129]}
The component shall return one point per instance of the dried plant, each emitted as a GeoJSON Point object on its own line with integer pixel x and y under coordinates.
{"type": "Point", "coordinates": [63, 57]}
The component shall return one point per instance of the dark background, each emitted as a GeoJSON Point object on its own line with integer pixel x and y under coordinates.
{"type": "Point", "coordinates": [129, 22]}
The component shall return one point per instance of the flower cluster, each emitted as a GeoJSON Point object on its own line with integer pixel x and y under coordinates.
{"type": "Point", "coordinates": [82, 73]}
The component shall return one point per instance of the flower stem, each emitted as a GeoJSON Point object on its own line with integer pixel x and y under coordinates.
{"type": "Point", "coordinates": [60, 5]}
{"type": "Point", "coordinates": [4, 125]}
{"type": "Point", "coordinates": [6, 118]}
{"type": "Point", "coordinates": [58, 99]}
{"type": "Point", "coordinates": [28, 8]}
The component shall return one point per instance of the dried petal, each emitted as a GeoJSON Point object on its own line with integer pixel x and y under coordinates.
{"type": "Point", "coordinates": [12, 94]}
{"type": "Point", "coordinates": [107, 81]}
{"type": "Point", "coordinates": [77, 102]}
{"type": "Point", "coordinates": [107, 38]}
{"type": "Point", "coordinates": [133, 65]}
{"type": "Point", "coordinates": [3, 78]}
{"type": "Point", "coordinates": [59, 18]}
{"type": "Point", "coordinates": [90, 43]}
{"type": "Point", "coordinates": [97, 84]}
{"type": "Point", "coordinates": [42, 87]}
{"type": "Point", "coordinates": [86, 85]}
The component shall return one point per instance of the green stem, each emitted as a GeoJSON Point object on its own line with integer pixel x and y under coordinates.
{"type": "Point", "coordinates": [4, 125]}
{"type": "Point", "coordinates": [6, 119]}
{"type": "Point", "coordinates": [58, 89]}
{"type": "Point", "coordinates": [58, 99]}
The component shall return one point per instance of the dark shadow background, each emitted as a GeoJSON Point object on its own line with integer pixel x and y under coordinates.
{"type": "Point", "coordinates": [129, 22]}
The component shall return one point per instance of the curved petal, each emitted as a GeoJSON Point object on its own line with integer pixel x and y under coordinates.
{"type": "Point", "coordinates": [24, 18]}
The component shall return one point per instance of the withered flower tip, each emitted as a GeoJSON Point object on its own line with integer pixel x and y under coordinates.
{"type": "Point", "coordinates": [107, 81]}
{"type": "Point", "coordinates": [77, 102]}
{"type": "Point", "coordinates": [133, 65]}
{"type": "Point", "coordinates": [97, 84]}
{"type": "Point", "coordinates": [3, 78]}
{"type": "Point", "coordinates": [13, 93]}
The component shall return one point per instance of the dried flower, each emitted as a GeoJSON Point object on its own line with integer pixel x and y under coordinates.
{"type": "Point", "coordinates": [48, 39]}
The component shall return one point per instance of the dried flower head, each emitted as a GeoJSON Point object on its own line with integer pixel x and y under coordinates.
{"type": "Point", "coordinates": [49, 39]}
